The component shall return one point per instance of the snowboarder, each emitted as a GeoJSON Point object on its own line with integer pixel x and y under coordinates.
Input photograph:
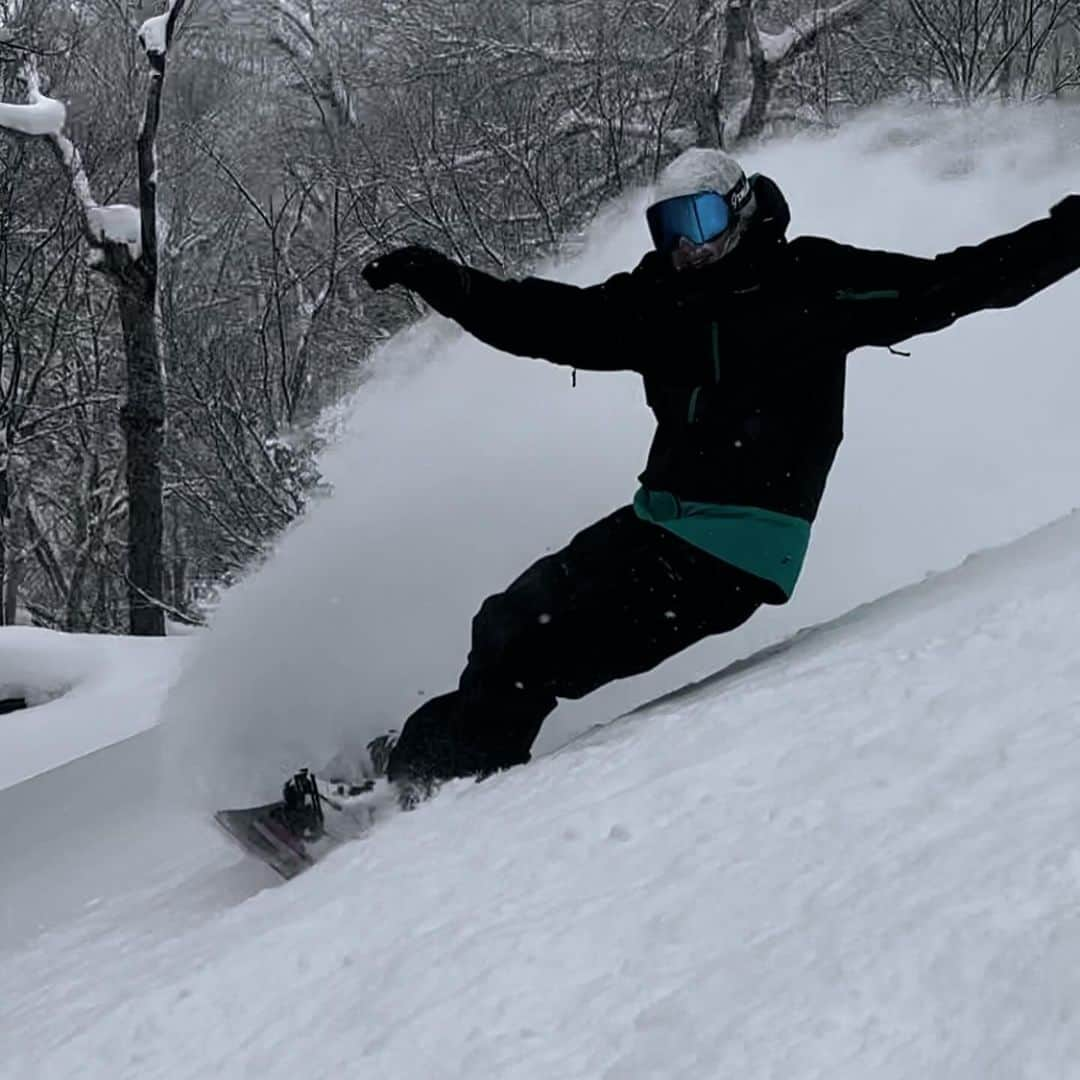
{"type": "Point", "coordinates": [742, 338]}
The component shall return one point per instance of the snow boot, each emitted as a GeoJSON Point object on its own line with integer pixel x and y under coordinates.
{"type": "Point", "coordinates": [379, 750]}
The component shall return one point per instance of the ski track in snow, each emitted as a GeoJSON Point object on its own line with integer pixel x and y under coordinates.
{"type": "Point", "coordinates": [854, 858]}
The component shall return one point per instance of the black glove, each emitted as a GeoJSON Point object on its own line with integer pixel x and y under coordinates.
{"type": "Point", "coordinates": [413, 266]}
{"type": "Point", "coordinates": [1067, 212]}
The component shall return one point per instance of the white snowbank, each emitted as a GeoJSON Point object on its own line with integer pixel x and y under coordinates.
{"type": "Point", "coordinates": [87, 691]}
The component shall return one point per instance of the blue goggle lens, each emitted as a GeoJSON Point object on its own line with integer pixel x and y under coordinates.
{"type": "Point", "coordinates": [700, 217]}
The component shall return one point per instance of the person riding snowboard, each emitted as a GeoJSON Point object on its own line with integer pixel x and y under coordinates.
{"type": "Point", "coordinates": [742, 337]}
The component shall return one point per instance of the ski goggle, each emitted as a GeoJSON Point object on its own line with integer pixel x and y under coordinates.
{"type": "Point", "coordinates": [700, 217]}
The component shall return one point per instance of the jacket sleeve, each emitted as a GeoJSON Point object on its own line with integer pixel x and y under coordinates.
{"type": "Point", "coordinates": [603, 327]}
{"type": "Point", "coordinates": [880, 298]}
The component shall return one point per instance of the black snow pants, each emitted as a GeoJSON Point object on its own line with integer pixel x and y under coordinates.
{"type": "Point", "coordinates": [623, 596]}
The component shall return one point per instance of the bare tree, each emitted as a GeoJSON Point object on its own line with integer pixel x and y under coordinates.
{"type": "Point", "coordinates": [124, 242]}
{"type": "Point", "coordinates": [302, 136]}
{"type": "Point", "coordinates": [1012, 48]}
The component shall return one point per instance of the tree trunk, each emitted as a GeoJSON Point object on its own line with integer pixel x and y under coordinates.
{"type": "Point", "coordinates": [734, 74]}
{"type": "Point", "coordinates": [11, 590]}
{"type": "Point", "coordinates": [1005, 77]}
{"type": "Point", "coordinates": [9, 542]}
{"type": "Point", "coordinates": [178, 576]}
{"type": "Point", "coordinates": [4, 527]}
{"type": "Point", "coordinates": [10, 550]}
{"type": "Point", "coordinates": [143, 420]}
{"type": "Point", "coordinates": [762, 80]}
{"type": "Point", "coordinates": [707, 120]}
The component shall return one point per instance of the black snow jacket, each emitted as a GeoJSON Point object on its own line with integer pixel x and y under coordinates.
{"type": "Point", "coordinates": [744, 360]}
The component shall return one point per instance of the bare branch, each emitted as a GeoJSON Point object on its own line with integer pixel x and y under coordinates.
{"type": "Point", "coordinates": [782, 48]}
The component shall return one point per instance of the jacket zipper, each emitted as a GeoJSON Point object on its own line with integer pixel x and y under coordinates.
{"type": "Point", "coordinates": [714, 333]}
{"type": "Point", "coordinates": [691, 412]}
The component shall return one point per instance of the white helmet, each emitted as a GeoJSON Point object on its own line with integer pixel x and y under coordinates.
{"type": "Point", "coordinates": [702, 169]}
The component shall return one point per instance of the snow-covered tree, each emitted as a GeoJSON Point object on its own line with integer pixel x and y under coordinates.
{"type": "Point", "coordinates": [123, 242]}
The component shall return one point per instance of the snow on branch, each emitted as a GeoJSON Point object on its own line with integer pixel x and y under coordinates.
{"type": "Point", "coordinates": [303, 40]}
{"type": "Point", "coordinates": [120, 225]}
{"type": "Point", "coordinates": [117, 224]}
{"type": "Point", "coordinates": [41, 116]}
{"type": "Point", "coordinates": [155, 34]}
{"type": "Point", "coordinates": [575, 122]}
{"type": "Point", "coordinates": [803, 32]}
{"type": "Point", "coordinates": [45, 117]}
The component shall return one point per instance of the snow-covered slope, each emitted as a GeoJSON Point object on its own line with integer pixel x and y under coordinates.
{"type": "Point", "coordinates": [850, 856]}
{"type": "Point", "coordinates": [855, 856]}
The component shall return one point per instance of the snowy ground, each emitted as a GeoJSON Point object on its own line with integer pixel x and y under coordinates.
{"type": "Point", "coordinates": [853, 857]}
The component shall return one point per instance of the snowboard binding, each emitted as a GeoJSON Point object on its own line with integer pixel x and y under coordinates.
{"type": "Point", "coordinates": [301, 806]}
{"type": "Point", "coordinates": [318, 813]}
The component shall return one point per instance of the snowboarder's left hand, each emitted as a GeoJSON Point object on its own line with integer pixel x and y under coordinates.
{"type": "Point", "coordinates": [411, 266]}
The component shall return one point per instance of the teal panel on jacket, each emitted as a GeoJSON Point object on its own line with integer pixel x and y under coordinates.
{"type": "Point", "coordinates": [761, 542]}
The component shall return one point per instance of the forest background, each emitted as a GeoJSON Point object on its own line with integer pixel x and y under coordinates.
{"type": "Point", "coordinates": [291, 142]}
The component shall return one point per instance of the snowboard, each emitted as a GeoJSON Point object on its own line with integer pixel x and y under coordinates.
{"type": "Point", "coordinates": [346, 813]}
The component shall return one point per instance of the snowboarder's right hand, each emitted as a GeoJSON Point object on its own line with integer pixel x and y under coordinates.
{"type": "Point", "coordinates": [410, 266]}
{"type": "Point", "coordinates": [1067, 212]}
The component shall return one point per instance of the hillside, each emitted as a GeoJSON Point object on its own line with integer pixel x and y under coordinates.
{"type": "Point", "coordinates": [852, 856]}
